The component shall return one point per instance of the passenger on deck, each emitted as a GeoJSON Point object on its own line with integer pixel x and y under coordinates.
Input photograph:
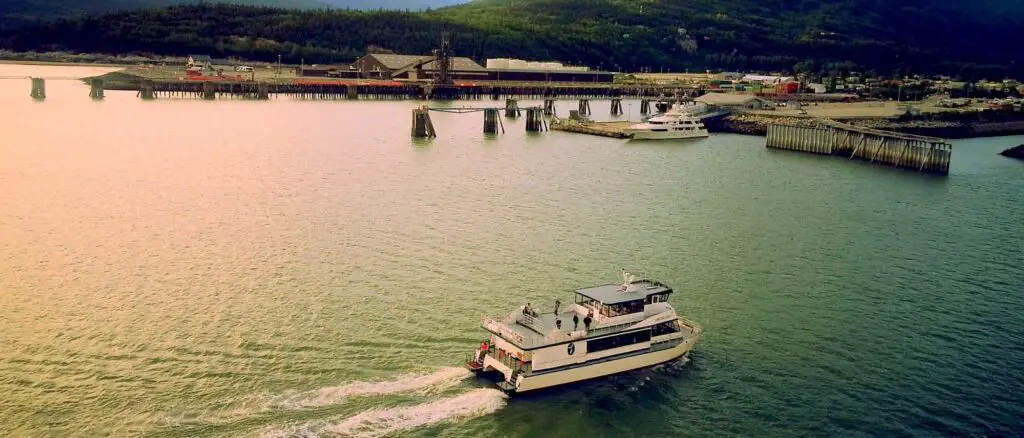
{"type": "Point", "coordinates": [587, 320]}
{"type": "Point", "coordinates": [526, 309]}
{"type": "Point", "coordinates": [575, 321]}
{"type": "Point", "coordinates": [557, 305]}
{"type": "Point", "coordinates": [558, 324]}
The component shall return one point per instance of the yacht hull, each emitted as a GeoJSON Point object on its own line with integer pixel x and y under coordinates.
{"type": "Point", "coordinates": [666, 135]}
{"type": "Point", "coordinates": [540, 379]}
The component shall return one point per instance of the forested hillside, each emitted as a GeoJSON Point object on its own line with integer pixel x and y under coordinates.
{"type": "Point", "coordinates": [17, 13]}
{"type": "Point", "coordinates": [883, 35]}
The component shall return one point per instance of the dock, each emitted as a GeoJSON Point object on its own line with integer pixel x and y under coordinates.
{"type": "Point", "coordinates": [915, 152]}
{"type": "Point", "coordinates": [603, 129]}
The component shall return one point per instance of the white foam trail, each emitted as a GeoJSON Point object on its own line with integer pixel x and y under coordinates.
{"type": "Point", "coordinates": [377, 423]}
{"type": "Point", "coordinates": [435, 381]}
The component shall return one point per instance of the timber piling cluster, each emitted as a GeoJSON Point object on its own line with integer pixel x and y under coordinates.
{"type": "Point", "coordinates": [919, 153]}
{"type": "Point", "coordinates": [38, 89]}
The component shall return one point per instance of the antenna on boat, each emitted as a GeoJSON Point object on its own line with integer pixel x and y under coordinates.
{"type": "Point", "coordinates": [627, 279]}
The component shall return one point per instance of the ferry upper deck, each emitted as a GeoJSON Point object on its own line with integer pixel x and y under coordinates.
{"type": "Point", "coordinates": [610, 308]}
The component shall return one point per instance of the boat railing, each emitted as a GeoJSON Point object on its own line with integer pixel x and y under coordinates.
{"type": "Point", "coordinates": [531, 322]}
{"type": "Point", "coordinates": [497, 325]}
{"type": "Point", "coordinates": [694, 327]}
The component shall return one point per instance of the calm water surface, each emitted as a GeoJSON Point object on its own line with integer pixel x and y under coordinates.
{"type": "Point", "coordinates": [186, 268]}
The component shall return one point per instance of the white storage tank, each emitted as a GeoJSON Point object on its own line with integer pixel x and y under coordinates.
{"type": "Point", "coordinates": [499, 63]}
{"type": "Point", "coordinates": [552, 65]}
{"type": "Point", "coordinates": [535, 65]}
{"type": "Point", "coordinates": [517, 64]}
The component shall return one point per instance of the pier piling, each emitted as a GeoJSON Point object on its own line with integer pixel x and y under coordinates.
{"type": "Point", "coordinates": [38, 88]}
{"type": "Point", "coordinates": [511, 108]}
{"type": "Point", "coordinates": [549, 107]}
{"type": "Point", "coordinates": [492, 121]}
{"type": "Point", "coordinates": [584, 107]}
{"type": "Point", "coordinates": [616, 107]}
{"type": "Point", "coordinates": [422, 127]}
{"type": "Point", "coordinates": [645, 107]}
{"type": "Point", "coordinates": [209, 91]}
{"type": "Point", "coordinates": [535, 120]}
{"type": "Point", "coordinates": [96, 89]}
{"type": "Point", "coordinates": [263, 91]}
{"type": "Point", "coordinates": [146, 90]}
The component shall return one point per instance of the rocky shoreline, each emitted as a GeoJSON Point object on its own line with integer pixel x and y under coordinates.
{"type": "Point", "coordinates": [1014, 152]}
{"type": "Point", "coordinates": [948, 126]}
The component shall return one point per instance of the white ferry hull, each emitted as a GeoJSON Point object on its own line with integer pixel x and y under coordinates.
{"type": "Point", "coordinates": [667, 135]}
{"type": "Point", "coordinates": [586, 372]}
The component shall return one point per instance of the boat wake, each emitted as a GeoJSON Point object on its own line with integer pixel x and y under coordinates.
{"type": "Point", "coordinates": [426, 383]}
{"type": "Point", "coordinates": [376, 423]}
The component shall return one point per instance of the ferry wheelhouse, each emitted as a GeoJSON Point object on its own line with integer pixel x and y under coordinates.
{"type": "Point", "coordinates": [607, 329]}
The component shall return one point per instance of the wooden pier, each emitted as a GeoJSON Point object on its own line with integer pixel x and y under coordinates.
{"type": "Point", "coordinates": [330, 89]}
{"type": "Point", "coordinates": [602, 129]}
{"type": "Point", "coordinates": [919, 153]}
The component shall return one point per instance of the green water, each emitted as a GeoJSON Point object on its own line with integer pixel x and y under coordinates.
{"type": "Point", "coordinates": [188, 268]}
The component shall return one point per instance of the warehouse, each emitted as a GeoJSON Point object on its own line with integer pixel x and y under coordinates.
{"type": "Point", "coordinates": [382, 66]}
{"type": "Point", "coordinates": [550, 76]}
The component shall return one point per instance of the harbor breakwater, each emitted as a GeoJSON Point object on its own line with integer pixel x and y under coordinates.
{"type": "Point", "coordinates": [951, 125]}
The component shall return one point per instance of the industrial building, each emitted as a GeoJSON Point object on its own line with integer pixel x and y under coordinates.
{"type": "Point", "coordinates": [517, 70]}
{"type": "Point", "coordinates": [389, 66]}
{"type": "Point", "coordinates": [403, 67]}
{"type": "Point", "coordinates": [731, 101]}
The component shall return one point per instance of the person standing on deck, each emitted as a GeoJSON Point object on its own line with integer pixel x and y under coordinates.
{"type": "Point", "coordinates": [575, 321]}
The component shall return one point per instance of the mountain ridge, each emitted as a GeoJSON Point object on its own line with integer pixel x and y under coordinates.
{"type": "Point", "coordinates": [815, 35]}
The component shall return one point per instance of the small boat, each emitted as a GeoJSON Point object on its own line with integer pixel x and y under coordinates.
{"type": "Point", "coordinates": [607, 329]}
{"type": "Point", "coordinates": [678, 122]}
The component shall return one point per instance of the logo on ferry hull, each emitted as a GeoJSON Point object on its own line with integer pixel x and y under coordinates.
{"type": "Point", "coordinates": [571, 348]}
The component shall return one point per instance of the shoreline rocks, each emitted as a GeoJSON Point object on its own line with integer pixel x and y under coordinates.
{"type": "Point", "coordinates": [1014, 152]}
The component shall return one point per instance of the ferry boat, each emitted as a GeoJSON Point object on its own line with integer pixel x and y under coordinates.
{"type": "Point", "coordinates": [607, 329]}
{"type": "Point", "coordinates": [676, 123]}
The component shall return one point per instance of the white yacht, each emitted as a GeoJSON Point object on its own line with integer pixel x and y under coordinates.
{"type": "Point", "coordinates": [606, 330]}
{"type": "Point", "coordinates": [677, 122]}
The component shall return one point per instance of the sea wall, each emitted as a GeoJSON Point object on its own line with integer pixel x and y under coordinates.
{"type": "Point", "coordinates": [950, 125]}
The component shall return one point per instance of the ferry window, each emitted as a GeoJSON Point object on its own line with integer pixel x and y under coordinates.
{"type": "Point", "coordinates": [665, 328]}
{"type": "Point", "coordinates": [657, 298]}
{"type": "Point", "coordinates": [618, 341]}
{"type": "Point", "coordinates": [613, 310]}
